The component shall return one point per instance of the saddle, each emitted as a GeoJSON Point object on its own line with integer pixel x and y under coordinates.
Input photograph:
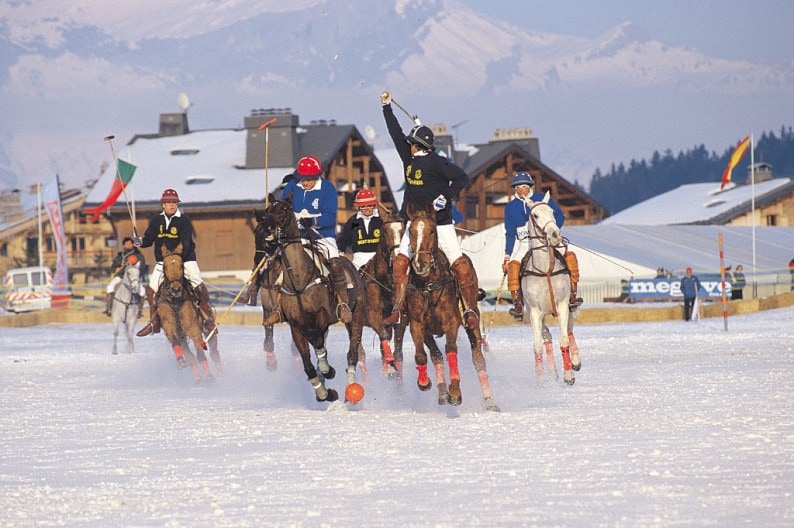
{"type": "Point", "coordinates": [557, 256]}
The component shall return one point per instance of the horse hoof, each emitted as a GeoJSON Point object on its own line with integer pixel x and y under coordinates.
{"type": "Point", "coordinates": [570, 382]}
{"type": "Point", "coordinates": [425, 388]}
{"type": "Point", "coordinates": [576, 365]}
{"type": "Point", "coordinates": [331, 374]}
{"type": "Point", "coordinates": [331, 397]}
{"type": "Point", "coordinates": [490, 405]}
{"type": "Point", "coordinates": [209, 381]}
{"type": "Point", "coordinates": [181, 363]}
{"type": "Point", "coordinates": [271, 365]}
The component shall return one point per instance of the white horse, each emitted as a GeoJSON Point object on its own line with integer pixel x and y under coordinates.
{"type": "Point", "coordinates": [125, 305]}
{"type": "Point", "coordinates": [546, 286]}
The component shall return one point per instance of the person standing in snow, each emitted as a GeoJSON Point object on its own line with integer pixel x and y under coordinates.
{"type": "Point", "coordinates": [690, 285]}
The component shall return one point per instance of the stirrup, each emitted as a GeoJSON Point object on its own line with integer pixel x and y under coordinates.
{"type": "Point", "coordinates": [574, 302]}
{"type": "Point", "coordinates": [344, 313]}
{"type": "Point", "coordinates": [393, 318]}
{"type": "Point", "coordinates": [146, 330]}
{"type": "Point", "coordinates": [470, 319]}
{"type": "Point", "coordinates": [517, 312]}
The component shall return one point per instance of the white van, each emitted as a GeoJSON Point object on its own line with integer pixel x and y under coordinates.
{"type": "Point", "coordinates": [28, 289]}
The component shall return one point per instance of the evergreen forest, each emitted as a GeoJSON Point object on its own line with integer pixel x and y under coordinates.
{"type": "Point", "coordinates": [624, 186]}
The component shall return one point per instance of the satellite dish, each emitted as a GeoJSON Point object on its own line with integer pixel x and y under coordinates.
{"type": "Point", "coordinates": [184, 101]}
{"type": "Point", "coordinates": [369, 131]}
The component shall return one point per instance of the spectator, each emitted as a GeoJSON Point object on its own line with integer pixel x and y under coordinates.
{"type": "Point", "coordinates": [791, 272]}
{"type": "Point", "coordinates": [738, 283]}
{"type": "Point", "coordinates": [690, 285]}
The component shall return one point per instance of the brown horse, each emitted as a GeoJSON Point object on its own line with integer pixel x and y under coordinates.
{"type": "Point", "coordinates": [376, 275]}
{"type": "Point", "coordinates": [180, 318]}
{"type": "Point", "coordinates": [307, 302]}
{"type": "Point", "coordinates": [434, 306]}
{"type": "Point", "coordinates": [268, 281]}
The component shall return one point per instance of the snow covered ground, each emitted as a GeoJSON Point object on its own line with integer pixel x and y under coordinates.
{"type": "Point", "coordinates": [668, 424]}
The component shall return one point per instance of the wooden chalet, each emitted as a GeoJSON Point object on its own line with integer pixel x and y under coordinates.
{"type": "Point", "coordinates": [221, 177]}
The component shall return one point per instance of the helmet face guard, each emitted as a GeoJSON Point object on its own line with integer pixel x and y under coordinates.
{"type": "Point", "coordinates": [422, 136]}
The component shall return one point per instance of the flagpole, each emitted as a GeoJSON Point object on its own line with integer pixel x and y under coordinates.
{"type": "Point", "coordinates": [752, 210]}
{"type": "Point", "coordinates": [38, 212]}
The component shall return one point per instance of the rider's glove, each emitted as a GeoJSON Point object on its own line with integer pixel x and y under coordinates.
{"type": "Point", "coordinates": [136, 241]}
{"type": "Point", "coordinates": [385, 98]}
{"type": "Point", "coordinates": [440, 202]}
{"type": "Point", "coordinates": [505, 263]}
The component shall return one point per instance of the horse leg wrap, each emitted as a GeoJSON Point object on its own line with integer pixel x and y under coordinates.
{"type": "Point", "coordinates": [566, 358]}
{"type": "Point", "coordinates": [484, 384]}
{"type": "Point", "coordinates": [205, 366]}
{"type": "Point", "coordinates": [423, 380]}
{"type": "Point", "coordinates": [452, 359]}
{"type": "Point", "coordinates": [539, 365]}
{"type": "Point", "coordinates": [319, 389]}
{"type": "Point", "coordinates": [322, 360]}
{"type": "Point", "coordinates": [439, 373]}
{"type": "Point", "coordinates": [351, 374]}
{"type": "Point", "coordinates": [386, 353]}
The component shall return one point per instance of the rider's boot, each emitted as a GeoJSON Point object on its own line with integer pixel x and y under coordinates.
{"type": "Point", "coordinates": [400, 280]}
{"type": "Point", "coordinates": [514, 285]}
{"type": "Point", "coordinates": [573, 267]}
{"type": "Point", "coordinates": [108, 304]}
{"type": "Point", "coordinates": [340, 289]}
{"type": "Point", "coordinates": [251, 293]}
{"type": "Point", "coordinates": [140, 306]}
{"type": "Point", "coordinates": [153, 326]}
{"type": "Point", "coordinates": [203, 297]}
{"type": "Point", "coordinates": [467, 284]}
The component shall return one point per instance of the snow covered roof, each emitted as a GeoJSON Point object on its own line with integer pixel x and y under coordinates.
{"type": "Point", "coordinates": [700, 203]}
{"type": "Point", "coordinates": [203, 166]}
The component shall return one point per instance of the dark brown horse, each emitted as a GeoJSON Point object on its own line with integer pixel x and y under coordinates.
{"type": "Point", "coordinates": [180, 318]}
{"type": "Point", "coordinates": [307, 301]}
{"type": "Point", "coordinates": [377, 278]}
{"type": "Point", "coordinates": [434, 308]}
{"type": "Point", "coordinates": [268, 281]}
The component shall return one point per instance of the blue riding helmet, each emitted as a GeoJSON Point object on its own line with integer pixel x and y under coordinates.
{"type": "Point", "coordinates": [522, 178]}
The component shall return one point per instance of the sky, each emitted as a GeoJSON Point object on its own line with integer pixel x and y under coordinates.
{"type": "Point", "coordinates": [601, 109]}
{"type": "Point", "coordinates": [728, 29]}
{"type": "Point", "coordinates": [668, 424]}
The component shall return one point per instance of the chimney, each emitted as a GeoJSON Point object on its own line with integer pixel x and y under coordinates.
{"type": "Point", "coordinates": [283, 138]}
{"type": "Point", "coordinates": [520, 135]}
{"type": "Point", "coordinates": [443, 139]}
{"type": "Point", "coordinates": [174, 124]}
{"type": "Point", "coordinates": [761, 171]}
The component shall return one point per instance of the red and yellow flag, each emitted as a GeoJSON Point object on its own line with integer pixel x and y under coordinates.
{"type": "Point", "coordinates": [741, 148]}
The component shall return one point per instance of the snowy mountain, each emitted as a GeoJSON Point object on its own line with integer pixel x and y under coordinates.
{"type": "Point", "coordinates": [74, 73]}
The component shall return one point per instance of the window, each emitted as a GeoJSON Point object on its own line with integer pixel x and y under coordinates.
{"type": "Point", "coordinates": [771, 220]}
{"type": "Point", "coordinates": [78, 244]}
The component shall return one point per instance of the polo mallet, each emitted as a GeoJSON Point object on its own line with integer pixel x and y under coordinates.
{"type": "Point", "coordinates": [493, 314]}
{"type": "Point", "coordinates": [236, 297]}
{"type": "Point", "coordinates": [266, 127]}
{"type": "Point", "coordinates": [413, 117]}
{"type": "Point", "coordinates": [110, 139]}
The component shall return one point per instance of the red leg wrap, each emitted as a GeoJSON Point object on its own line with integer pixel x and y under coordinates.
{"type": "Point", "coordinates": [566, 359]}
{"type": "Point", "coordinates": [423, 379]}
{"type": "Point", "coordinates": [452, 359]}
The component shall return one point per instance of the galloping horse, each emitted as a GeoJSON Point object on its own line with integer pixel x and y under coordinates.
{"type": "Point", "coordinates": [125, 305]}
{"type": "Point", "coordinates": [376, 275]}
{"type": "Point", "coordinates": [433, 305]}
{"type": "Point", "coordinates": [307, 300]}
{"type": "Point", "coordinates": [269, 273]}
{"type": "Point", "coordinates": [546, 286]}
{"type": "Point", "coordinates": [177, 306]}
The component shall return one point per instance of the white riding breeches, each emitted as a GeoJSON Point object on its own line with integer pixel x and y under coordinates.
{"type": "Point", "coordinates": [520, 249]}
{"type": "Point", "coordinates": [447, 242]}
{"type": "Point", "coordinates": [326, 245]}
{"type": "Point", "coordinates": [192, 273]}
{"type": "Point", "coordinates": [362, 257]}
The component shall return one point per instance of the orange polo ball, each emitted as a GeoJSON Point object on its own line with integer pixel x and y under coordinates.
{"type": "Point", "coordinates": [354, 393]}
